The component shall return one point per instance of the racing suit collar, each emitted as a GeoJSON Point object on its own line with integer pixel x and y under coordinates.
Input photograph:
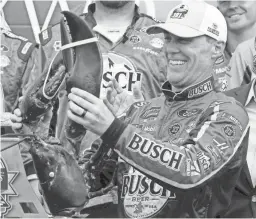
{"type": "Point", "coordinates": [189, 93]}
{"type": "Point", "coordinates": [91, 10]}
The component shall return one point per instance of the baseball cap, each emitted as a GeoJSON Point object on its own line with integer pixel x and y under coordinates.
{"type": "Point", "coordinates": [193, 18]}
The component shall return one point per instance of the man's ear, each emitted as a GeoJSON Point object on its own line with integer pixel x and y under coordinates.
{"type": "Point", "coordinates": [218, 49]}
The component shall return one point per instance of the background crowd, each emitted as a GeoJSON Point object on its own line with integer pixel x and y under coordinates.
{"type": "Point", "coordinates": [177, 62]}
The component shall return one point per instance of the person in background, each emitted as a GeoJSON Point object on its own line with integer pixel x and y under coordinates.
{"type": "Point", "coordinates": [19, 68]}
{"type": "Point", "coordinates": [243, 203]}
{"type": "Point", "coordinates": [180, 154]}
{"type": "Point", "coordinates": [129, 53]}
{"type": "Point", "coordinates": [241, 21]}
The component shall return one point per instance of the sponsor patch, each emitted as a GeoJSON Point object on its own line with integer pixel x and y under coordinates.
{"type": "Point", "coordinates": [174, 130]}
{"type": "Point", "coordinates": [149, 128]}
{"type": "Point", "coordinates": [233, 119]}
{"type": "Point", "coordinates": [7, 190]}
{"type": "Point", "coordinates": [201, 89]}
{"type": "Point", "coordinates": [214, 29]}
{"type": "Point", "coordinates": [141, 196]}
{"type": "Point", "coordinates": [157, 43]}
{"type": "Point", "coordinates": [215, 154]}
{"type": "Point", "coordinates": [146, 50]}
{"type": "Point", "coordinates": [134, 39]}
{"type": "Point", "coordinates": [122, 69]}
{"type": "Point", "coordinates": [180, 12]}
{"type": "Point", "coordinates": [204, 161]}
{"type": "Point", "coordinates": [139, 104]}
{"type": "Point", "coordinates": [151, 113]}
{"type": "Point", "coordinates": [138, 126]}
{"type": "Point", "coordinates": [221, 70]}
{"type": "Point", "coordinates": [192, 168]}
{"type": "Point", "coordinates": [222, 146]}
{"type": "Point", "coordinates": [189, 113]}
{"type": "Point", "coordinates": [229, 131]}
{"type": "Point", "coordinates": [167, 157]}
{"type": "Point", "coordinates": [4, 48]}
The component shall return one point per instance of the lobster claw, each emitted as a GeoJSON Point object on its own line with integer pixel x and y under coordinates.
{"type": "Point", "coordinates": [87, 71]}
{"type": "Point", "coordinates": [67, 54]}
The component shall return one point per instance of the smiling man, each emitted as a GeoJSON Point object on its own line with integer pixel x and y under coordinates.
{"type": "Point", "coordinates": [241, 21]}
{"type": "Point", "coordinates": [179, 154]}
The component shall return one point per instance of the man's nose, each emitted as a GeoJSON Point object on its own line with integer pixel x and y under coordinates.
{"type": "Point", "coordinates": [172, 47]}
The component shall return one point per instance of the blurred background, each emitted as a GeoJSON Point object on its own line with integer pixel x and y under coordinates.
{"type": "Point", "coordinates": [28, 17]}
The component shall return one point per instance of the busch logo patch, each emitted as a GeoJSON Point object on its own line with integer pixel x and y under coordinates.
{"type": "Point", "coordinates": [7, 178]}
{"type": "Point", "coordinates": [203, 88]}
{"type": "Point", "coordinates": [122, 69]}
{"type": "Point", "coordinates": [141, 196]}
{"type": "Point", "coordinates": [167, 157]}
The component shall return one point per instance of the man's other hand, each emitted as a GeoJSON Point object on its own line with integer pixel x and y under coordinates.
{"type": "Point", "coordinates": [119, 100]}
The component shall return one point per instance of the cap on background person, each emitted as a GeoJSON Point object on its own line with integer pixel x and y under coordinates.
{"type": "Point", "coordinates": [192, 19]}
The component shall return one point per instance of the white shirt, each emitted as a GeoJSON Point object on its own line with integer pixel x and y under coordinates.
{"type": "Point", "coordinates": [113, 34]}
{"type": "Point", "coordinates": [251, 154]}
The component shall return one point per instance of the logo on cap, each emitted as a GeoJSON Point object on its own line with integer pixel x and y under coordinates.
{"type": "Point", "coordinates": [213, 29]}
{"type": "Point", "coordinates": [180, 12]}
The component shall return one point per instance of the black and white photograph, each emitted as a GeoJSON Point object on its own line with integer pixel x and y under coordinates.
{"type": "Point", "coordinates": [128, 109]}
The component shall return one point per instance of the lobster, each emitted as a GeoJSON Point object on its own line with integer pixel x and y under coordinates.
{"type": "Point", "coordinates": [82, 65]}
{"type": "Point", "coordinates": [65, 188]}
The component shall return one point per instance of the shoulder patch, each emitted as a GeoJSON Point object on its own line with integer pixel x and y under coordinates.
{"type": "Point", "coordinates": [45, 36]}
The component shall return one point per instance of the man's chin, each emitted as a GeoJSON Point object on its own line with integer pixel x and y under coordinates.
{"type": "Point", "coordinates": [114, 4]}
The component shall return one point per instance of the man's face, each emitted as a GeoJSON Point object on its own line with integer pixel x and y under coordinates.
{"type": "Point", "coordinates": [114, 4]}
{"type": "Point", "coordinates": [238, 14]}
{"type": "Point", "coordinates": [189, 60]}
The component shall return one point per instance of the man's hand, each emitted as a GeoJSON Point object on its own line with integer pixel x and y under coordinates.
{"type": "Point", "coordinates": [119, 100]}
{"type": "Point", "coordinates": [89, 111]}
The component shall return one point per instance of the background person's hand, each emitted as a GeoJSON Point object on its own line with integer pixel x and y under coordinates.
{"type": "Point", "coordinates": [119, 100]}
{"type": "Point", "coordinates": [97, 117]}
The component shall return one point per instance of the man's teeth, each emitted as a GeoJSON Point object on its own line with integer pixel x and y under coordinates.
{"type": "Point", "coordinates": [177, 62]}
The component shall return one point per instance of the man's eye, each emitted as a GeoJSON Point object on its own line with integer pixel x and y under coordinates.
{"type": "Point", "coordinates": [184, 41]}
{"type": "Point", "coordinates": [168, 39]}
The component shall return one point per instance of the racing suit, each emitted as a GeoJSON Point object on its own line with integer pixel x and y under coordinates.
{"type": "Point", "coordinates": [179, 154]}
{"type": "Point", "coordinates": [137, 56]}
{"type": "Point", "coordinates": [19, 69]}
{"type": "Point", "coordinates": [242, 66]}
{"type": "Point", "coordinates": [220, 69]}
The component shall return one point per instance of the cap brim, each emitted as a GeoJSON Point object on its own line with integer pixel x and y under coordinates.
{"type": "Point", "coordinates": [174, 28]}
